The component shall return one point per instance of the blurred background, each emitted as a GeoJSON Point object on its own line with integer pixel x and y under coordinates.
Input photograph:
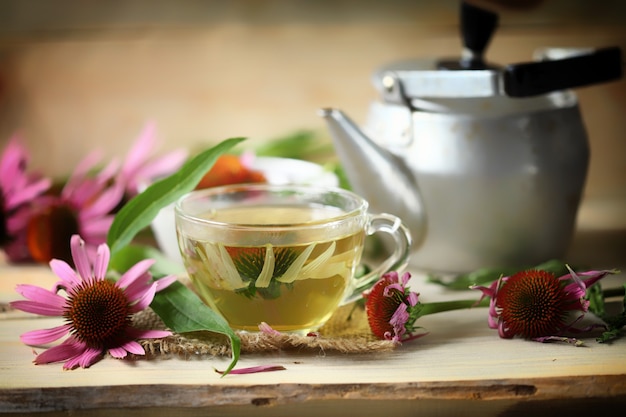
{"type": "Point", "coordinates": [82, 74]}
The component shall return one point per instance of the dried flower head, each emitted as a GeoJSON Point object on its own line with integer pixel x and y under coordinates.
{"type": "Point", "coordinates": [537, 305]}
{"type": "Point", "coordinates": [392, 308]}
{"type": "Point", "coordinates": [97, 311]}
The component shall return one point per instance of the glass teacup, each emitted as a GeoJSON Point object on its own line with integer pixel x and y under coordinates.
{"type": "Point", "coordinates": [281, 254]}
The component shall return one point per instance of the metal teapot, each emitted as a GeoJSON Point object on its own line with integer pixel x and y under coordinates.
{"type": "Point", "coordinates": [486, 165]}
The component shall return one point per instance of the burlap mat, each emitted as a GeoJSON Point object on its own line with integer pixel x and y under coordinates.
{"type": "Point", "coordinates": [347, 331]}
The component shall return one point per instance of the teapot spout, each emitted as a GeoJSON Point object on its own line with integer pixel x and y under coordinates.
{"type": "Point", "coordinates": [378, 175]}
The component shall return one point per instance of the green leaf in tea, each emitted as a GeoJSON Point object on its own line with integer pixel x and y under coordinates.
{"type": "Point", "coordinates": [252, 265]}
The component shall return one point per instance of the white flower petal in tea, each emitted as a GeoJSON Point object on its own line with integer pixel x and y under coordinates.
{"type": "Point", "coordinates": [291, 274]}
{"type": "Point", "coordinates": [264, 278]}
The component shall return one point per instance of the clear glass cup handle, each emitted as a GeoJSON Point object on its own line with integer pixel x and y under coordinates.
{"type": "Point", "coordinates": [396, 261]}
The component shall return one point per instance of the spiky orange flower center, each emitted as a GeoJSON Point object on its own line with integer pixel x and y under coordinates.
{"type": "Point", "coordinates": [98, 312]}
{"type": "Point", "coordinates": [380, 308]}
{"type": "Point", "coordinates": [49, 233]}
{"type": "Point", "coordinates": [532, 304]}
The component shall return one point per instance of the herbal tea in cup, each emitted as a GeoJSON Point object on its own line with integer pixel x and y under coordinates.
{"type": "Point", "coordinates": [281, 254]}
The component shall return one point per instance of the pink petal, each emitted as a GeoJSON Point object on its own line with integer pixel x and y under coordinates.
{"type": "Point", "coordinates": [35, 307]}
{"type": "Point", "coordinates": [86, 191]}
{"type": "Point", "coordinates": [105, 202]}
{"type": "Point", "coordinates": [579, 286]}
{"type": "Point", "coordinates": [492, 317]}
{"type": "Point", "coordinates": [161, 166]}
{"type": "Point", "coordinates": [90, 357]}
{"type": "Point", "coordinates": [570, 340]}
{"type": "Point", "coordinates": [140, 150]}
{"type": "Point", "coordinates": [67, 274]}
{"type": "Point", "coordinates": [108, 172]}
{"type": "Point", "coordinates": [163, 283]}
{"type": "Point", "coordinates": [133, 347]}
{"type": "Point", "coordinates": [95, 229]}
{"type": "Point", "coordinates": [137, 289]}
{"type": "Point", "coordinates": [388, 288]}
{"type": "Point", "coordinates": [136, 271]}
{"type": "Point", "coordinates": [399, 317]}
{"type": "Point", "coordinates": [267, 329]}
{"type": "Point", "coordinates": [85, 360]}
{"type": "Point", "coordinates": [255, 369]}
{"type": "Point", "coordinates": [102, 261]}
{"type": "Point", "coordinates": [66, 350]}
{"type": "Point", "coordinates": [41, 295]}
{"type": "Point", "coordinates": [413, 298]}
{"type": "Point", "coordinates": [81, 170]}
{"type": "Point", "coordinates": [13, 158]}
{"type": "Point", "coordinates": [29, 193]}
{"type": "Point", "coordinates": [147, 334]}
{"type": "Point", "coordinates": [41, 337]}
{"type": "Point", "coordinates": [80, 257]}
{"type": "Point", "coordinates": [145, 300]}
{"type": "Point", "coordinates": [118, 352]}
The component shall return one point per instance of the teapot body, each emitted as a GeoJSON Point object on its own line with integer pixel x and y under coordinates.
{"type": "Point", "coordinates": [500, 179]}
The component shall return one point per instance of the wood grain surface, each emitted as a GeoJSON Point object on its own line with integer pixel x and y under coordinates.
{"type": "Point", "coordinates": [460, 367]}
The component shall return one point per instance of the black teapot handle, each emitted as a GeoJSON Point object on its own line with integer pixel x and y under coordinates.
{"type": "Point", "coordinates": [535, 78]}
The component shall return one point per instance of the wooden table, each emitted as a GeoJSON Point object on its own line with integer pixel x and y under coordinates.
{"type": "Point", "coordinates": [460, 368]}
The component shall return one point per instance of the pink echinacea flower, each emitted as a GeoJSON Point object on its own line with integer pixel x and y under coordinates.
{"type": "Point", "coordinates": [85, 207]}
{"type": "Point", "coordinates": [19, 192]}
{"type": "Point", "coordinates": [537, 305]}
{"type": "Point", "coordinates": [392, 308]}
{"type": "Point", "coordinates": [97, 311]}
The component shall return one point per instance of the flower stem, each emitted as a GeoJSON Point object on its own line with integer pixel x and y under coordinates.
{"type": "Point", "coordinates": [441, 306]}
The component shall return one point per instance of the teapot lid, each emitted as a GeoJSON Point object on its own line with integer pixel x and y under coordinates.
{"type": "Point", "coordinates": [471, 76]}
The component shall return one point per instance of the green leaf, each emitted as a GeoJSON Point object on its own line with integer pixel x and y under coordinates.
{"type": "Point", "coordinates": [596, 300]}
{"type": "Point", "coordinates": [302, 144]}
{"type": "Point", "coordinates": [615, 323]}
{"type": "Point", "coordinates": [125, 258]}
{"type": "Point", "coordinates": [182, 311]}
{"type": "Point", "coordinates": [488, 275]}
{"type": "Point", "coordinates": [179, 308]}
{"type": "Point", "coordinates": [139, 212]}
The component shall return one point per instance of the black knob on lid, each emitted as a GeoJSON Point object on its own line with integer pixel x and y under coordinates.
{"type": "Point", "coordinates": [477, 27]}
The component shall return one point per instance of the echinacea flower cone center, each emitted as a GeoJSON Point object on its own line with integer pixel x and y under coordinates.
{"type": "Point", "coordinates": [532, 304]}
{"type": "Point", "coordinates": [49, 232]}
{"type": "Point", "coordinates": [98, 312]}
{"type": "Point", "coordinates": [381, 308]}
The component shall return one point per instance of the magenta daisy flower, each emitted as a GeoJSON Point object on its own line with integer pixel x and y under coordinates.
{"type": "Point", "coordinates": [538, 305]}
{"type": "Point", "coordinates": [19, 192]}
{"type": "Point", "coordinates": [392, 308]}
{"type": "Point", "coordinates": [97, 311]}
{"type": "Point", "coordinates": [139, 169]}
{"type": "Point", "coordinates": [85, 207]}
